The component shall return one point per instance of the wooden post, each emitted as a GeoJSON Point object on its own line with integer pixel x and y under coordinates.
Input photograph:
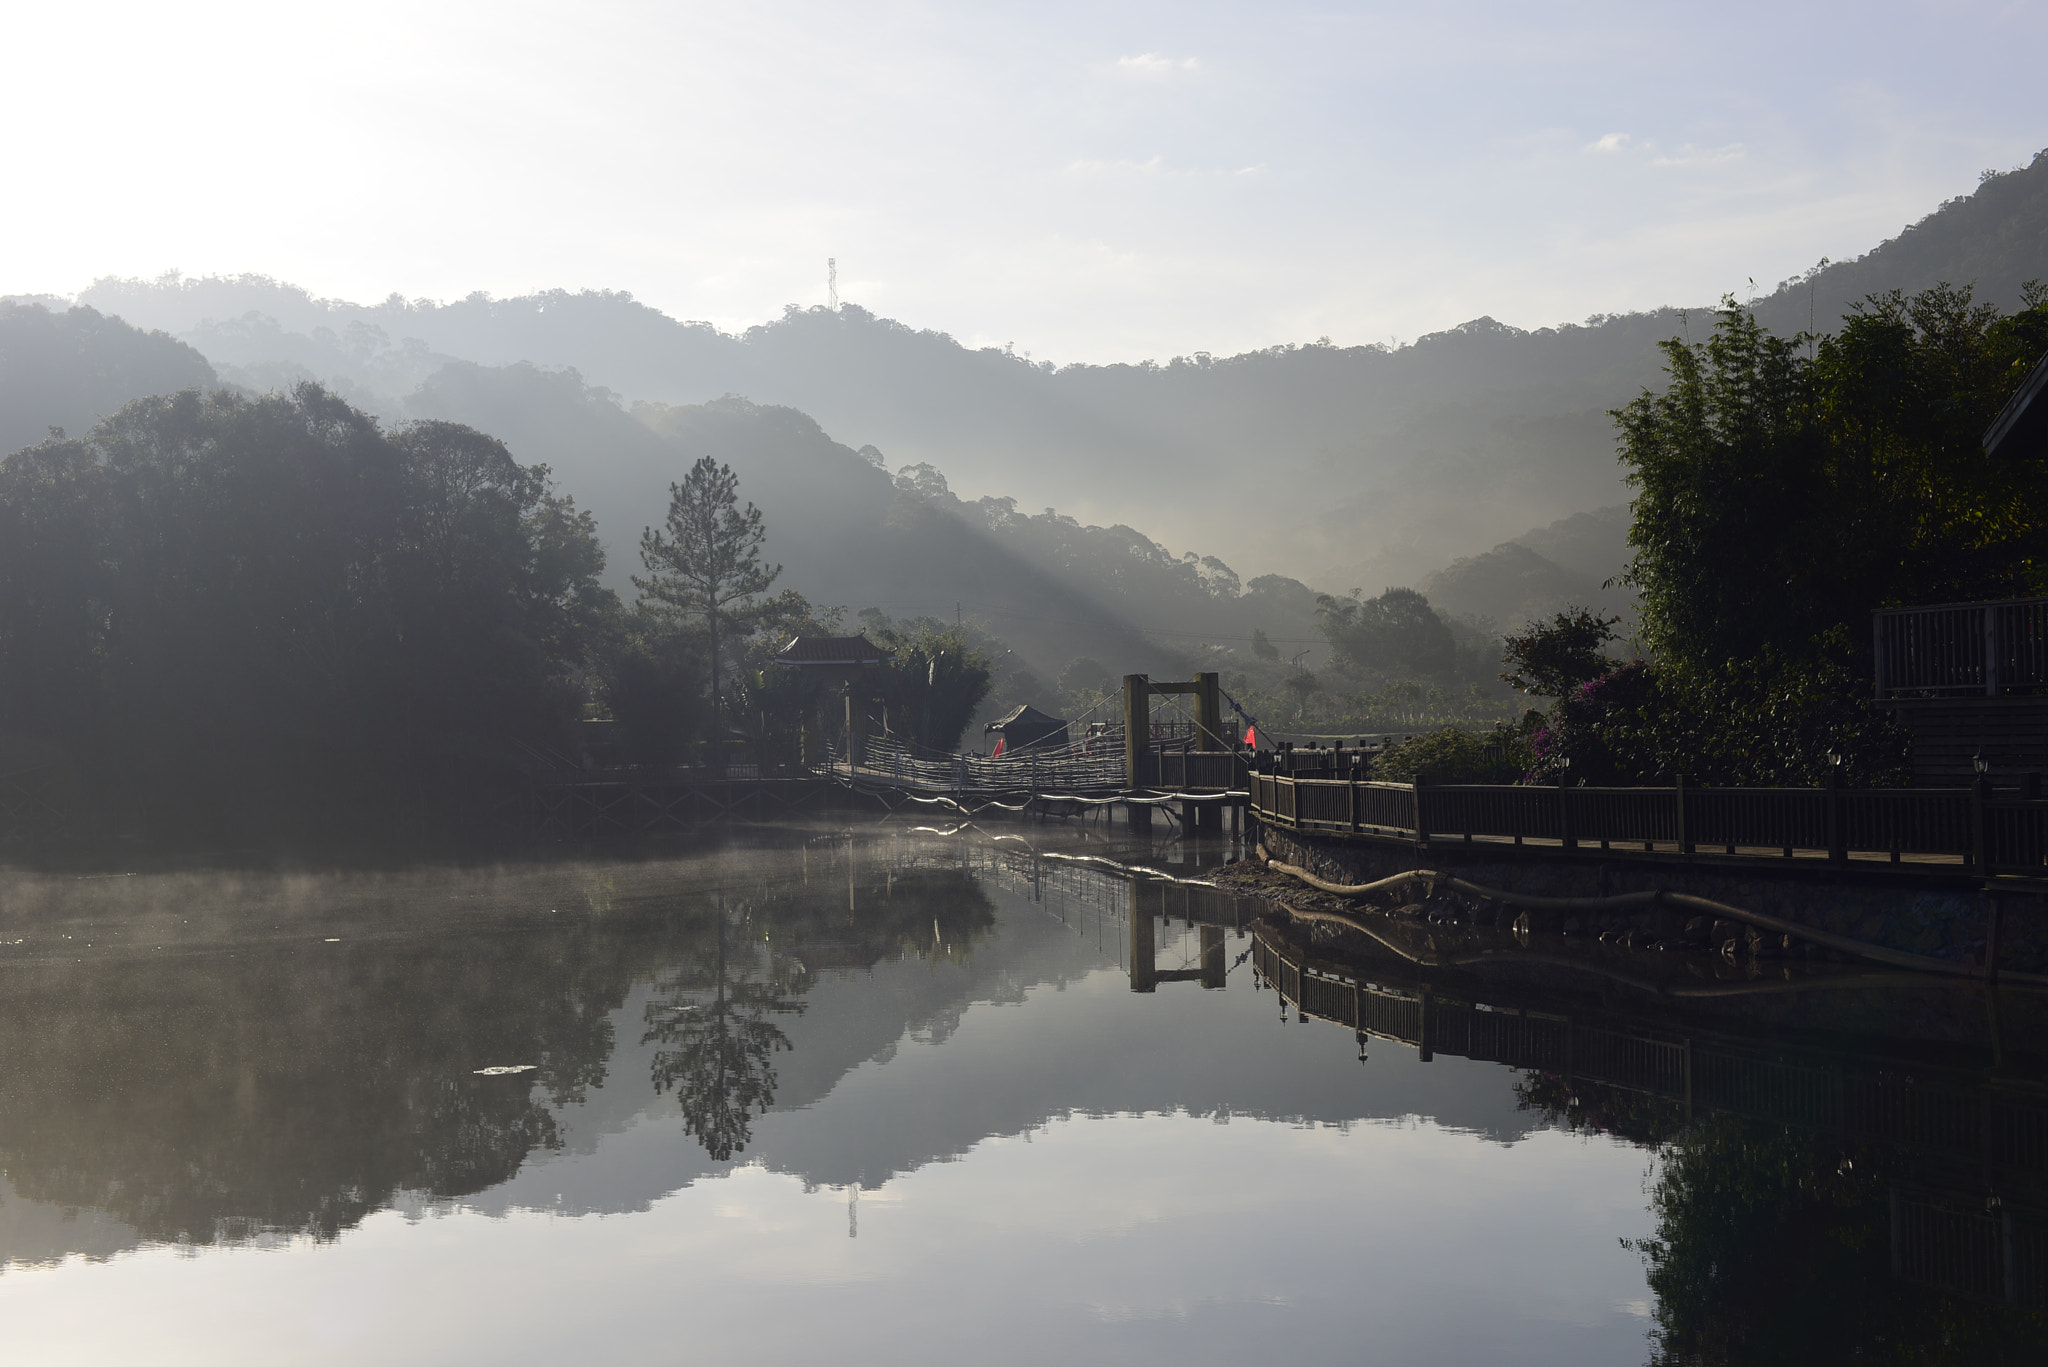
{"type": "Point", "coordinates": [1137, 728]}
{"type": "Point", "coordinates": [1991, 652]}
{"type": "Point", "coordinates": [1877, 652]}
{"type": "Point", "coordinates": [1996, 919]}
{"type": "Point", "coordinates": [856, 729]}
{"type": "Point", "coordinates": [1980, 792]}
{"type": "Point", "coordinates": [1684, 845]}
{"type": "Point", "coordinates": [1421, 816]}
{"type": "Point", "coordinates": [1898, 1241]}
{"type": "Point", "coordinates": [1209, 713]}
{"type": "Point", "coordinates": [1564, 818]}
{"type": "Point", "coordinates": [1838, 832]}
{"type": "Point", "coordinates": [1688, 1081]}
{"type": "Point", "coordinates": [1213, 967]}
{"type": "Point", "coordinates": [1144, 971]}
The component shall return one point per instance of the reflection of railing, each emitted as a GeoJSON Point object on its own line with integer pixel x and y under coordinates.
{"type": "Point", "coordinates": [1984, 648]}
{"type": "Point", "coordinates": [1952, 1123]}
{"type": "Point", "coordinates": [1958, 826]}
{"type": "Point", "coordinates": [1949, 1118]}
{"type": "Point", "coordinates": [1987, 1252]}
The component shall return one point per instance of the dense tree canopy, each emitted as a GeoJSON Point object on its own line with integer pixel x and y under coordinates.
{"type": "Point", "coordinates": [1787, 486]}
{"type": "Point", "coordinates": [232, 614]}
{"type": "Point", "coordinates": [1395, 633]}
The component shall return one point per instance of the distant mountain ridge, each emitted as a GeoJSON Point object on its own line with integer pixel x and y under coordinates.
{"type": "Point", "coordinates": [1339, 465]}
{"type": "Point", "coordinates": [1343, 466]}
{"type": "Point", "coordinates": [1541, 572]}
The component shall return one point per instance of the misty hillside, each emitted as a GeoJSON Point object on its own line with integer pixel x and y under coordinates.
{"type": "Point", "coordinates": [848, 532]}
{"type": "Point", "coordinates": [1338, 465]}
{"type": "Point", "coordinates": [70, 368]}
{"type": "Point", "coordinates": [1540, 573]}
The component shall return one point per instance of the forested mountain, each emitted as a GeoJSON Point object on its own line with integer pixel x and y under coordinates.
{"type": "Point", "coordinates": [1339, 465]}
{"type": "Point", "coordinates": [1540, 573]}
{"type": "Point", "coordinates": [849, 534]}
{"type": "Point", "coordinates": [72, 367]}
{"type": "Point", "coordinates": [1347, 467]}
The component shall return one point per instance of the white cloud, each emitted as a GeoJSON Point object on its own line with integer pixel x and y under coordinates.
{"type": "Point", "coordinates": [1151, 166]}
{"type": "Point", "coordinates": [1690, 155]}
{"type": "Point", "coordinates": [1153, 64]}
{"type": "Point", "coordinates": [1610, 143]}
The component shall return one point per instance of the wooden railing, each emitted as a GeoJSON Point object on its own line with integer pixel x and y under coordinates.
{"type": "Point", "coordinates": [1961, 648]}
{"type": "Point", "coordinates": [1199, 771]}
{"type": "Point", "coordinates": [1971, 827]}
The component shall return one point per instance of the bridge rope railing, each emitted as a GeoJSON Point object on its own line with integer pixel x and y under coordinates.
{"type": "Point", "coordinates": [889, 762]}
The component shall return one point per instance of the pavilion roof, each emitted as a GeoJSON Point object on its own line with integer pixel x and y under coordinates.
{"type": "Point", "coordinates": [829, 652]}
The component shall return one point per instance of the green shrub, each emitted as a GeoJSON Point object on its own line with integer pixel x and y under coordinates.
{"type": "Point", "coordinates": [1450, 755]}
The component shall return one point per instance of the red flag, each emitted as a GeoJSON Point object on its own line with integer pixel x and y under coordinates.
{"type": "Point", "coordinates": [1251, 736]}
{"type": "Point", "coordinates": [999, 747]}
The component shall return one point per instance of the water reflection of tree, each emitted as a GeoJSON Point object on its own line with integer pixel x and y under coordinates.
{"type": "Point", "coordinates": [720, 1043]}
{"type": "Point", "coordinates": [294, 1088]}
{"type": "Point", "coordinates": [1773, 1245]}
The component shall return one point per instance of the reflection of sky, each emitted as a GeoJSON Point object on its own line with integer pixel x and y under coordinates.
{"type": "Point", "coordinates": [1046, 1162]}
{"type": "Point", "coordinates": [1122, 1238]}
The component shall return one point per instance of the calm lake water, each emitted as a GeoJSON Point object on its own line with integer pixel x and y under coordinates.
{"type": "Point", "coordinates": [890, 1095]}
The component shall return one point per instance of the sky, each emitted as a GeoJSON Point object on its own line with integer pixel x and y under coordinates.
{"type": "Point", "coordinates": [1086, 182]}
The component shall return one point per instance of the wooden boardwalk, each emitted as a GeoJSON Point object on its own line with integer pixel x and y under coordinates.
{"type": "Point", "coordinates": [1972, 830]}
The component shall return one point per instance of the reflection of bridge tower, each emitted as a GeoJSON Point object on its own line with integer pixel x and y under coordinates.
{"type": "Point", "coordinates": [1146, 975]}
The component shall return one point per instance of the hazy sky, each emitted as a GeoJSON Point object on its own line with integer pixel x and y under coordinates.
{"type": "Point", "coordinates": [1089, 181]}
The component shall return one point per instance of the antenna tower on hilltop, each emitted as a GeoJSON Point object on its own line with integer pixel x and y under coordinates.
{"type": "Point", "coordinates": [832, 282]}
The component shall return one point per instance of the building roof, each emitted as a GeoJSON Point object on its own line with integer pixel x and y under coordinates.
{"type": "Point", "coordinates": [1025, 718]}
{"type": "Point", "coordinates": [2021, 428]}
{"type": "Point", "coordinates": [826, 652]}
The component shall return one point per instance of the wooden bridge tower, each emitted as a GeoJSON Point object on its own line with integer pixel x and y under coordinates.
{"type": "Point", "coordinates": [1139, 690]}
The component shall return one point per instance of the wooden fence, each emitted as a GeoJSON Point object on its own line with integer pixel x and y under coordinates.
{"type": "Point", "coordinates": [1967, 827]}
